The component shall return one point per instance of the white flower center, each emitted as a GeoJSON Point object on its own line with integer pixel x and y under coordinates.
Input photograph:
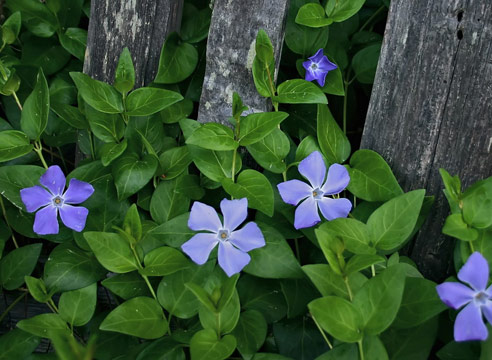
{"type": "Point", "coordinates": [57, 201]}
{"type": "Point", "coordinates": [480, 298]}
{"type": "Point", "coordinates": [314, 66]}
{"type": "Point", "coordinates": [223, 235]}
{"type": "Point", "coordinates": [317, 194]}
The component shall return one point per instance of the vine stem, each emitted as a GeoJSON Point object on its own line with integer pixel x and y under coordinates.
{"type": "Point", "coordinates": [149, 285]}
{"type": "Point", "coordinates": [52, 303]}
{"type": "Point", "coordinates": [373, 270]}
{"type": "Point", "coordinates": [7, 222]}
{"type": "Point", "coordinates": [373, 16]}
{"type": "Point", "coordinates": [361, 350]}
{"type": "Point", "coordinates": [472, 248]}
{"type": "Point", "coordinates": [7, 310]}
{"type": "Point", "coordinates": [345, 279]}
{"type": "Point", "coordinates": [322, 332]}
{"type": "Point", "coordinates": [38, 148]}
{"type": "Point", "coordinates": [17, 100]}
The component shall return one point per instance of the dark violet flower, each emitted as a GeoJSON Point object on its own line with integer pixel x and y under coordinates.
{"type": "Point", "coordinates": [233, 244]}
{"type": "Point", "coordinates": [52, 200]}
{"type": "Point", "coordinates": [316, 195]}
{"type": "Point", "coordinates": [469, 324]}
{"type": "Point", "coordinates": [317, 67]}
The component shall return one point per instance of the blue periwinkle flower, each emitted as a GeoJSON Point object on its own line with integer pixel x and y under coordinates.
{"type": "Point", "coordinates": [318, 193]}
{"type": "Point", "coordinates": [233, 244]}
{"type": "Point", "coordinates": [51, 199]}
{"type": "Point", "coordinates": [317, 67]}
{"type": "Point", "coordinates": [469, 324]}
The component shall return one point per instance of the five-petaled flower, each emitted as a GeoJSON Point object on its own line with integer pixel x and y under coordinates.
{"type": "Point", "coordinates": [469, 324]}
{"type": "Point", "coordinates": [317, 67]}
{"type": "Point", "coordinates": [313, 168]}
{"type": "Point", "coordinates": [233, 244]}
{"type": "Point", "coordinates": [52, 200]}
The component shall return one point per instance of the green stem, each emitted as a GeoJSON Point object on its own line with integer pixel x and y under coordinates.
{"type": "Point", "coordinates": [17, 100]}
{"type": "Point", "coordinates": [7, 310]}
{"type": "Point", "coordinates": [472, 248]}
{"type": "Point", "coordinates": [373, 270]}
{"type": "Point", "coordinates": [373, 16]}
{"type": "Point", "coordinates": [361, 350]}
{"type": "Point", "coordinates": [91, 145]}
{"type": "Point", "coordinates": [7, 222]}
{"type": "Point", "coordinates": [149, 286]}
{"type": "Point", "coordinates": [233, 170]}
{"type": "Point", "coordinates": [298, 253]}
{"type": "Point", "coordinates": [52, 303]}
{"type": "Point", "coordinates": [169, 323]}
{"type": "Point", "coordinates": [322, 332]}
{"type": "Point", "coordinates": [284, 175]}
{"type": "Point", "coordinates": [217, 319]}
{"type": "Point", "coordinates": [38, 148]}
{"type": "Point", "coordinates": [345, 279]}
{"type": "Point", "coordinates": [345, 108]}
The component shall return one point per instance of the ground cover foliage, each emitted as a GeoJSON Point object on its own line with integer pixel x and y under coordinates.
{"type": "Point", "coordinates": [118, 281]}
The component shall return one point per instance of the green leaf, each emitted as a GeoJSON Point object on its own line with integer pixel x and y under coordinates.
{"type": "Point", "coordinates": [71, 115]}
{"type": "Point", "coordinates": [204, 298]}
{"type": "Point", "coordinates": [455, 226]}
{"type": "Point", "coordinates": [204, 345]}
{"type": "Point", "coordinates": [195, 23]}
{"type": "Point", "coordinates": [379, 299]}
{"type": "Point", "coordinates": [101, 96]}
{"type": "Point", "coordinates": [224, 321]}
{"type": "Point", "coordinates": [255, 187]}
{"type": "Point", "coordinates": [299, 91]}
{"type": "Point", "coordinates": [141, 316]}
{"type": "Point", "coordinates": [255, 127]}
{"type": "Point", "coordinates": [148, 101]}
{"type": "Point", "coordinates": [163, 349]}
{"type": "Point", "coordinates": [13, 144]}
{"type": "Point", "coordinates": [338, 317]}
{"type": "Point", "coordinates": [392, 223]}
{"type": "Point", "coordinates": [262, 77]}
{"type": "Point", "coordinates": [34, 116]}
{"type": "Point", "coordinates": [361, 262]}
{"type": "Point", "coordinates": [124, 78]}
{"type": "Point", "coordinates": [164, 261]}
{"type": "Point", "coordinates": [74, 40]}
{"type": "Point", "coordinates": [112, 251]}
{"type": "Point", "coordinates": [11, 28]}
{"type": "Point", "coordinates": [70, 268]}
{"type": "Point", "coordinates": [127, 285]}
{"type": "Point", "coordinates": [333, 142]}
{"type": "Point", "coordinates": [37, 289]}
{"type": "Point", "coordinates": [167, 203]}
{"type": "Point", "coordinates": [175, 297]}
{"type": "Point", "coordinates": [178, 61]}
{"type": "Point", "coordinates": [17, 264]}
{"type": "Point", "coordinates": [308, 145]}
{"type": "Point", "coordinates": [174, 232]}
{"type": "Point", "coordinates": [452, 189]}
{"type": "Point", "coordinates": [298, 293]}
{"type": "Point", "coordinates": [275, 260]}
{"type": "Point", "coordinates": [353, 233]}
{"type": "Point", "coordinates": [374, 348]}
{"type": "Point", "coordinates": [263, 47]}
{"type": "Point", "coordinates": [339, 11]}
{"type": "Point", "coordinates": [132, 224]}
{"type": "Point", "coordinates": [250, 332]}
{"type": "Point", "coordinates": [176, 112]}
{"type": "Point", "coordinates": [371, 178]}
{"type": "Point", "coordinates": [106, 127]}
{"type": "Point", "coordinates": [271, 151]}
{"type": "Point", "coordinates": [132, 173]}
{"type": "Point", "coordinates": [213, 136]}
{"type": "Point", "coordinates": [112, 151]}
{"type": "Point", "coordinates": [37, 18]}
{"type": "Point", "coordinates": [77, 306]}
{"type": "Point", "coordinates": [312, 15]}
{"type": "Point", "coordinates": [365, 62]}
{"type": "Point", "coordinates": [227, 290]}
{"type": "Point", "coordinates": [477, 206]}
{"type": "Point", "coordinates": [17, 344]}
{"type": "Point", "coordinates": [174, 161]}
{"type": "Point", "coordinates": [44, 325]}
{"type": "Point", "coordinates": [420, 303]}
{"type": "Point", "coordinates": [334, 83]}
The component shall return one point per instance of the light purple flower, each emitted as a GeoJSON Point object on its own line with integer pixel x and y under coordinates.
{"type": "Point", "coordinates": [316, 195]}
{"type": "Point", "coordinates": [233, 244]}
{"type": "Point", "coordinates": [52, 200]}
{"type": "Point", "coordinates": [469, 323]}
{"type": "Point", "coordinates": [317, 67]}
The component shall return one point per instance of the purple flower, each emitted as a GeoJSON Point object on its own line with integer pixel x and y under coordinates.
{"type": "Point", "coordinates": [469, 324]}
{"type": "Point", "coordinates": [52, 199]}
{"type": "Point", "coordinates": [317, 67]}
{"type": "Point", "coordinates": [316, 195]}
{"type": "Point", "coordinates": [233, 245]}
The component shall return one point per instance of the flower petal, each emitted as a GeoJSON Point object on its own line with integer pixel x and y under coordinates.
{"type": "Point", "coordinates": [74, 217]}
{"type": "Point", "coordinates": [77, 192]}
{"type": "Point", "coordinates": [318, 56]}
{"type": "Point", "coordinates": [454, 294]}
{"type": "Point", "coordinates": [475, 272]}
{"type": "Point", "coordinates": [334, 208]}
{"type": "Point", "coordinates": [45, 221]}
{"type": "Point", "coordinates": [321, 77]}
{"type": "Point", "coordinates": [232, 260]}
{"type": "Point", "coordinates": [35, 197]}
{"type": "Point", "coordinates": [199, 247]}
{"type": "Point", "coordinates": [313, 168]}
{"type": "Point", "coordinates": [234, 211]}
{"type": "Point", "coordinates": [248, 238]}
{"type": "Point", "coordinates": [54, 180]}
{"type": "Point", "coordinates": [337, 180]}
{"type": "Point", "coordinates": [203, 217]}
{"type": "Point", "coordinates": [469, 324]}
{"type": "Point", "coordinates": [306, 214]}
{"type": "Point", "coordinates": [326, 64]}
{"type": "Point", "coordinates": [487, 311]}
{"type": "Point", "coordinates": [310, 76]}
{"type": "Point", "coordinates": [293, 191]}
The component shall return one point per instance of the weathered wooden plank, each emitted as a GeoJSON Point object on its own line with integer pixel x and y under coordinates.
{"type": "Point", "coordinates": [230, 53]}
{"type": "Point", "coordinates": [431, 106]}
{"type": "Point", "coordinates": [141, 25]}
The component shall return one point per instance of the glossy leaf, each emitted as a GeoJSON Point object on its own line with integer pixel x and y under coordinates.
{"type": "Point", "coordinates": [17, 264]}
{"type": "Point", "coordinates": [164, 261]}
{"type": "Point", "coordinates": [178, 61]}
{"type": "Point", "coordinates": [13, 144]}
{"type": "Point", "coordinates": [77, 306]}
{"type": "Point", "coordinates": [332, 141]}
{"type": "Point", "coordinates": [148, 101]}
{"type": "Point", "coordinates": [204, 345]}
{"type": "Point", "coordinates": [299, 91]}
{"type": "Point", "coordinates": [312, 15]}
{"type": "Point", "coordinates": [34, 116]}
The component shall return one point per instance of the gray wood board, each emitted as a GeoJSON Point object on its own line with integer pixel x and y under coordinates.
{"type": "Point", "coordinates": [141, 25]}
{"type": "Point", "coordinates": [431, 107]}
{"type": "Point", "coordinates": [230, 54]}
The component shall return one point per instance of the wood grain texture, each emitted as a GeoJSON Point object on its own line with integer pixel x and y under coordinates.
{"type": "Point", "coordinates": [140, 25]}
{"type": "Point", "coordinates": [230, 54]}
{"type": "Point", "coordinates": [431, 107]}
